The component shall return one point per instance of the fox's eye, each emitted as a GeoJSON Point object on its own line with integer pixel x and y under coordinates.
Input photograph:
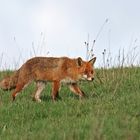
{"type": "Point", "coordinates": [92, 72]}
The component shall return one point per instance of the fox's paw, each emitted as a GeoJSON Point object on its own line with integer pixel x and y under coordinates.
{"type": "Point", "coordinates": [83, 96]}
{"type": "Point", "coordinates": [37, 100]}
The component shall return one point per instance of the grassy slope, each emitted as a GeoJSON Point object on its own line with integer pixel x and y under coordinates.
{"type": "Point", "coordinates": [110, 111]}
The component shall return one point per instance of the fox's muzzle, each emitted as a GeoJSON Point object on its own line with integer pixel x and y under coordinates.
{"type": "Point", "coordinates": [90, 79]}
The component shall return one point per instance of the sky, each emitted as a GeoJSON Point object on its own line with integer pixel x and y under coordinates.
{"type": "Point", "coordinates": [55, 28]}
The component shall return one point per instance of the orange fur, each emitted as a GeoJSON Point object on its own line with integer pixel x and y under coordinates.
{"type": "Point", "coordinates": [50, 69]}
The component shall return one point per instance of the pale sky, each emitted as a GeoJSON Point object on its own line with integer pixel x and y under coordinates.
{"type": "Point", "coordinates": [60, 28]}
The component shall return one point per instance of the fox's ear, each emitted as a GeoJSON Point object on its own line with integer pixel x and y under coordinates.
{"type": "Point", "coordinates": [79, 61]}
{"type": "Point", "coordinates": [92, 61]}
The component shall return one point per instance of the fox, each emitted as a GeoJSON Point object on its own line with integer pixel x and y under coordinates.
{"type": "Point", "coordinates": [56, 70]}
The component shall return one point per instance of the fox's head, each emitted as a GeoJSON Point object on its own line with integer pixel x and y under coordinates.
{"type": "Point", "coordinates": [86, 69]}
{"type": "Point", "coordinates": [4, 84]}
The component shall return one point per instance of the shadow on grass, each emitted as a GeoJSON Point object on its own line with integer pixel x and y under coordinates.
{"type": "Point", "coordinates": [49, 98]}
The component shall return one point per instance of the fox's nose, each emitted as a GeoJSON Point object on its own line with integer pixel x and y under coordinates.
{"type": "Point", "coordinates": [92, 78]}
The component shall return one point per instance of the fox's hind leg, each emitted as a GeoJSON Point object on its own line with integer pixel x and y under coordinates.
{"type": "Point", "coordinates": [55, 90]}
{"type": "Point", "coordinates": [40, 86]}
{"type": "Point", "coordinates": [75, 89]}
{"type": "Point", "coordinates": [18, 88]}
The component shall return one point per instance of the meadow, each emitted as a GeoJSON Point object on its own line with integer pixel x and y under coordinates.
{"type": "Point", "coordinates": [110, 111]}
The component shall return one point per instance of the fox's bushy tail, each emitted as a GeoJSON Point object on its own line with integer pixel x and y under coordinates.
{"type": "Point", "coordinates": [9, 82]}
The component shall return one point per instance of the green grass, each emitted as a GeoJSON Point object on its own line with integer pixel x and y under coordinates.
{"type": "Point", "coordinates": [111, 111]}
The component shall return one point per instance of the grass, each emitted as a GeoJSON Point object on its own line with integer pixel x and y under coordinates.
{"type": "Point", "coordinates": [111, 110]}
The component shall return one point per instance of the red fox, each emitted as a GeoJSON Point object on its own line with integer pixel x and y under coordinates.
{"type": "Point", "coordinates": [50, 69]}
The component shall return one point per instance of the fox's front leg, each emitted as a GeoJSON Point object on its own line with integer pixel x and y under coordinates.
{"type": "Point", "coordinates": [75, 89]}
{"type": "Point", "coordinates": [39, 88]}
{"type": "Point", "coordinates": [55, 90]}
